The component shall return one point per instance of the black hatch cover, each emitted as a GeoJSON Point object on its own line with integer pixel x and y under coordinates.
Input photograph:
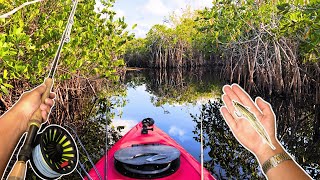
{"type": "Point", "coordinates": [147, 161]}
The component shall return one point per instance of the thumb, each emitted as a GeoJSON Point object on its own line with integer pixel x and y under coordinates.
{"type": "Point", "coordinates": [264, 106]}
{"type": "Point", "coordinates": [40, 89]}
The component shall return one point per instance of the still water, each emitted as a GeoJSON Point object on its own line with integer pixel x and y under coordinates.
{"type": "Point", "coordinates": [173, 119]}
{"type": "Point", "coordinates": [171, 112]}
{"type": "Point", "coordinates": [171, 97]}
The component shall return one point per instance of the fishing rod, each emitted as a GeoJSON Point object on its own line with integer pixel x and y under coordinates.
{"type": "Point", "coordinates": [53, 152]}
{"type": "Point", "coordinates": [201, 148]}
{"type": "Point", "coordinates": [6, 15]}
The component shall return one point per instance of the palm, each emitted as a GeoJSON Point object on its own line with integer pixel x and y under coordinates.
{"type": "Point", "coordinates": [247, 135]}
{"type": "Point", "coordinates": [240, 126]}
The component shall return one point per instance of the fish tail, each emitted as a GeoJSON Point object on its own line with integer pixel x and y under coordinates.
{"type": "Point", "coordinates": [268, 141]}
{"type": "Point", "coordinates": [272, 146]}
{"type": "Point", "coordinates": [265, 136]}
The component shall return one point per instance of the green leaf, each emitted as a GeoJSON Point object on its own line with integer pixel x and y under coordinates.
{"type": "Point", "coordinates": [5, 74]}
{"type": "Point", "coordinates": [4, 90]}
{"type": "Point", "coordinates": [7, 85]}
{"type": "Point", "coordinates": [17, 31]}
{"type": "Point", "coordinates": [96, 70]}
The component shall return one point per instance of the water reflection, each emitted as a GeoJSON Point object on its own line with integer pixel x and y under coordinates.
{"type": "Point", "coordinates": [177, 86]}
{"type": "Point", "coordinates": [170, 96]}
{"type": "Point", "coordinates": [295, 130]}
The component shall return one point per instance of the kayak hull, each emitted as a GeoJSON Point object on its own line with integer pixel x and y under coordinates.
{"type": "Point", "coordinates": [189, 168]}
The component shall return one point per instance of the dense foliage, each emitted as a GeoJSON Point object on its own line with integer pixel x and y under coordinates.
{"type": "Point", "coordinates": [168, 47]}
{"type": "Point", "coordinates": [89, 65]}
{"type": "Point", "coordinates": [30, 37]}
{"type": "Point", "coordinates": [228, 22]}
{"type": "Point", "coordinates": [267, 45]}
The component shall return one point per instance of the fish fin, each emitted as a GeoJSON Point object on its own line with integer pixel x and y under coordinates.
{"type": "Point", "coordinates": [248, 108]}
{"type": "Point", "coordinates": [239, 114]}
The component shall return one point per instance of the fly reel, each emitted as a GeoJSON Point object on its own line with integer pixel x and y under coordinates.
{"type": "Point", "coordinates": [54, 154]}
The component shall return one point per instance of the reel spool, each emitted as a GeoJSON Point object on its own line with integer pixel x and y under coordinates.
{"type": "Point", "coordinates": [54, 154]}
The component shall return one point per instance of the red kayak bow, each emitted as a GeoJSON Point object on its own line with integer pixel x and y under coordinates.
{"type": "Point", "coordinates": [146, 152]}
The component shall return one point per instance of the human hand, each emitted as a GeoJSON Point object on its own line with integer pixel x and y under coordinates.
{"type": "Point", "coordinates": [29, 102]}
{"type": "Point", "coordinates": [240, 126]}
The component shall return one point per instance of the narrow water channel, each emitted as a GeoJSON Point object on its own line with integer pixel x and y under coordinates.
{"type": "Point", "coordinates": [170, 97]}
{"type": "Point", "coordinates": [169, 101]}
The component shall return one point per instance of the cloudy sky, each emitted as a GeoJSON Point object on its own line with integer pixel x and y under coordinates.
{"type": "Point", "coordinates": [146, 13]}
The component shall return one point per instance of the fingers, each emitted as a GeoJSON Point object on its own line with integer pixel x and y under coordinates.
{"type": "Point", "coordinates": [245, 99]}
{"type": "Point", "coordinates": [264, 106]}
{"type": "Point", "coordinates": [49, 102]}
{"type": "Point", "coordinates": [229, 105]}
{"type": "Point", "coordinates": [228, 118]}
{"type": "Point", "coordinates": [44, 115]}
{"type": "Point", "coordinates": [46, 108]}
{"type": "Point", "coordinates": [45, 111]}
{"type": "Point", "coordinates": [228, 91]}
{"type": "Point", "coordinates": [52, 95]}
{"type": "Point", "coordinates": [41, 89]}
{"type": "Point", "coordinates": [38, 91]}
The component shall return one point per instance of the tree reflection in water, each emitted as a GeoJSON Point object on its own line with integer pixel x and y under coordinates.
{"type": "Point", "coordinates": [176, 86]}
{"type": "Point", "coordinates": [297, 125]}
{"type": "Point", "coordinates": [295, 129]}
{"type": "Point", "coordinates": [225, 151]}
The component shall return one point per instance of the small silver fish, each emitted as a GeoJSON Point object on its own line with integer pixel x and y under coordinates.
{"type": "Point", "coordinates": [243, 111]}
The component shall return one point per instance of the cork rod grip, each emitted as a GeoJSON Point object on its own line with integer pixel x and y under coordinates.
{"type": "Point", "coordinates": [18, 172]}
{"type": "Point", "coordinates": [36, 118]}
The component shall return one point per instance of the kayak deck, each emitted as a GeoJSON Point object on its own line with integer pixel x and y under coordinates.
{"type": "Point", "coordinates": [189, 168]}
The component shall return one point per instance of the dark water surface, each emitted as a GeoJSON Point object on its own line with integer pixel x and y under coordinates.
{"type": "Point", "coordinates": [171, 97]}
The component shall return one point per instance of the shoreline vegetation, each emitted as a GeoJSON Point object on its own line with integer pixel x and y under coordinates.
{"type": "Point", "coordinates": [270, 46]}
